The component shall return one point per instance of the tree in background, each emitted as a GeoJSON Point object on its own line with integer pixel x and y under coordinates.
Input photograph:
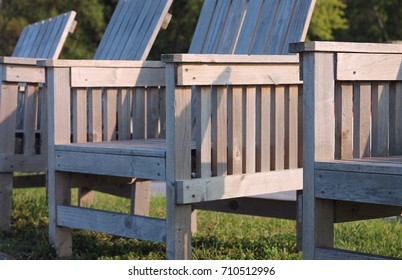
{"type": "Point", "coordinates": [345, 20]}
{"type": "Point", "coordinates": [373, 21]}
{"type": "Point", "coordinates": [14, 15]}
{"type": "Point", "coordinates": [328, 17]}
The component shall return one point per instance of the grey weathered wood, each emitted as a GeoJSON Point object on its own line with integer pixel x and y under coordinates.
{"type": "Point", "coordinates": [336, 254]}
{"type": "Point", "coordinates": [132, 30]}
{"type": "Point", "coordinates": [131, 226]}
{"type": "Point", "coordinates": [45, 39]}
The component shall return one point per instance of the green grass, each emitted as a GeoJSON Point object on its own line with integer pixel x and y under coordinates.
{"type": "Point", "coordinates": [219, 236]}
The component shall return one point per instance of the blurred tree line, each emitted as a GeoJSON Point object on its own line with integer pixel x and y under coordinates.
{"type": "Point", "coordinates": [343, 20]}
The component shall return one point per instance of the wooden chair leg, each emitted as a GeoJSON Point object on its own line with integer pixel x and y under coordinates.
{"type": "Point", "coordinates": [6, 186]}
{"type": "Point", "coordinates": [141, 194]}
{"type": "Point", "coordinates": [86, 197]}
{"type": "Point", "coordinates": [59, 194]}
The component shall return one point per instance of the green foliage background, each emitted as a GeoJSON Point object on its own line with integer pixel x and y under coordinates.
{"type": "Point", "coordinates": [343, 20]}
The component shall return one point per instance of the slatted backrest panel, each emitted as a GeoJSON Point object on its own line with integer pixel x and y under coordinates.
{"type": "Point", "coordinates": [368, 105]}
{"type": "Point", "coordinates": [251, 26]}
{"type": "Point", "coordinates": [108, 114]}
{"type": "Point", "coordinates": [249, 128]}
{"type": "Point", "coordinates": [45, 39]}
{"type": "Point", "coordinates": [132, 29]}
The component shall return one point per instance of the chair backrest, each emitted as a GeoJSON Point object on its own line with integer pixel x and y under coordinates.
{"type": "Point", "coordinates": [251, 26]}
{"type": "Point", "coordinates": [132, 29]}
{"type": "Point", "coordinates": [45, 39]}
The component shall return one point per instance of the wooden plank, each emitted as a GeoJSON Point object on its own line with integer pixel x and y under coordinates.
{"type": "Point", "coordinates": [374, 165]}
{"type": "Point", "coordinates": [264, 129]}
{"type": "Point", "coordinates": [152, 111]}
{"type": "Point", "coordinates": [235, 145]}
{"type": "Point", "coordinates": [230, 31]}
{"type": "Point", "coordinates": [300, 22]}
{"type": "Point", "coordinates": [178, 166]}
{"type": "Point", "coordinates": [249, 27]}
{"type": "Point", "coordinates": [219, 131]}
{"type": "Point", "coordinates": [8, 117]}
{"type": "Point", "coordinates": [116, 77]}
{"type": "Point", "coordinates": [319, 143]}
{"type": "Point", "coordinates": [337, 254]}
{"type": "Point", "coordinates": [362, 120]}
{"type": "Point", "coordinates": [237, 74]}
{"type": "Point", "coordinates": [395, 130]}
{"type": "Point", "coordinates": [139, 113]}
{"type": "Point", "coordinates": [278, 129]}
{"type": "Point", "coordinates": [124, 114]}
{"type": "Point", "coordinates": [23, 163]}
{"type": "Point", "coordinates": [292, 127]}
{"type": "Point", "coordinates": [43, 113]}
{"type": "Point", "coordinates": [380, 120]}
{"type": "Point", "coordinates": [231, 186]}
{"type": "Point", "coordinates": [26, 74]}
{"type": "Point", "coordinates": [94, 115]}
{"type": "Point", "coordinates": [346, 47]}
{"type": "Point", "coordinates": [131, 226]}
{"type": "Point", "coordinates": [109, 114]}
{"type": "Point", "coordinates": [79, 115]}
{"type": "Point", "coordinates": [203, 138]}
{"type": "Point", "coordinates": [109, 164]}
{"type": "Point", "coordinates": [369, 67]}
{"type": "Point", "coordinates": [249, 127]}
{"type": "Point", "coordinates": [30, 119]}
{"type": "Point", "coordinates": [377, 188]}
{"type": "Point", "coordinates": [6, 186]}
{"type": "Point", "coordinates": [344, 121]}
{"type": "Point", "coordinates": [252, 206]}
{"type": "Point", "coordinates": [207, 13]}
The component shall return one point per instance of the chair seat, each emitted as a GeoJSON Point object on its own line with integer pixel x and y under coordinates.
{"type": "Point", "coordinates": [132, 158]}
{"type": "Point", "coordinates": [376, 180]}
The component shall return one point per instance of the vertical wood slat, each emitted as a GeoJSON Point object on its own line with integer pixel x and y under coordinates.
{"type": "Point", "coordinates": [8, 115]}
{"type": "Point", "coordinates": [152, 113]}
{"type": "Point", "coordinates": [362, 120]}
{"type": "Point", "coordinates": [395, 130]}
{"type": "Point", "coordinates": [278, 129]}
{"type": "Point", "coordinates": [109, 114]}
{"type": "Point", "coordinates": [235, 109]}
{"type": "Point", "coordinates": [203, 137]}
{"type": "Point", "coordinates": [79, 101]}
{"type": "Point", "coordinates": [162, 114]}
{"type": "Point", "coordinates": [249, 129]}
{"type": "Point", "coordinates": [380, 119]}
{"type": "Point", "coordinates": [264, 129]}
{"type": "Point", "coordinates": [42, 112]}
{"type": "Point", "coordinates": [139, 117]}
{"type": "Point", "coordinates": [291, 128]}
{"type": "Point", "coordinates": [344, 120]}
{"type": "Point", "coordinates": [95, 115]}
{"type": "Point", "coordinates": [124, 114]}
{"type": "Point", "coordinates": [30, 118]}
{"type": "Point", "coordinates": [219, 131]}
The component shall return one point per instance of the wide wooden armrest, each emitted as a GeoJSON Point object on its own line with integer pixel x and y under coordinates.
{"type": "Point", "coordinates": [344, 47]}
{"type": "Point", "coordinates": [229, 58]}
{"type": "Point", "coordinates": [70, 63]}
{"type": "Point", "coordinates": [111, 73]}
{"type": "Point", "coordinates": [18, 60]}
{"type": "Point", "coordinates": [208, 69]}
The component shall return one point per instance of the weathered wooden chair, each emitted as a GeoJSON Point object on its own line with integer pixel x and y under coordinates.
{"type": "Point", "coordinates": [21, 87]}
{"type": "Point", "coordinates": [23, 114]}
{"type": "Point", "coordinates": [247, 123]}
{"type": "Point", "coordinates": [352, 139]}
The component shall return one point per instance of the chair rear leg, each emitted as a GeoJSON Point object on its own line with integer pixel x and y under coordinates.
{"type": "Point", "coordinates": [6, 186]}
{"type": "Point", "coordinates": [59, 194]}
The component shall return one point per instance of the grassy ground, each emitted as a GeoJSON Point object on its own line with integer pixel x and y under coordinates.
{"type": "Point", "coordinates": [219, 236]}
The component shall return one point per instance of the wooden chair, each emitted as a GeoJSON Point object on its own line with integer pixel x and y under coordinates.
{"type": "Point", "coordinates": [21, 86]}
{"type": "Point", "coordinates": [352, 141]}
{"type": "Point", "coordinates": [23, 146]}
{"type": "Point", "coordinates": [247, 125]}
